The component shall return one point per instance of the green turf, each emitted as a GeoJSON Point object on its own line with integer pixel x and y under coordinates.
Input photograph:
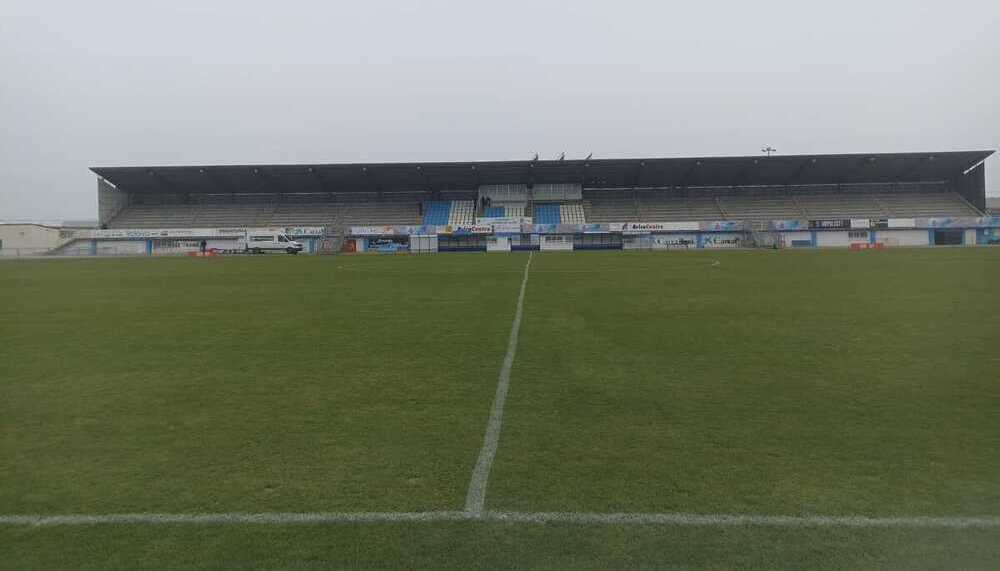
{"type": "Point", "coordinates": [738, 382]}
{"type": "Point", "coordinates": [248, 384]}
{"type": "Point", "coordinates": [771, 382]}
{"type": "Point", "coordinates": [492, 546]}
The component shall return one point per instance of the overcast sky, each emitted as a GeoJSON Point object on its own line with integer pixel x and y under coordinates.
{"type": "Point", "coordinates": [207, 82]}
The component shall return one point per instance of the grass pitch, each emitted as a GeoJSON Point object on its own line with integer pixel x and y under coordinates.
{"type": "Point", "coordinates": [778, 383]}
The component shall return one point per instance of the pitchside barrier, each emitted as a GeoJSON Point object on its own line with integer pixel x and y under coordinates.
{"type": "Point", "coordinates": [173, 241]}
{"type": "Point", "coordinates": [505, 237]}
{"type": "Point", "coordinates": [818, 233]}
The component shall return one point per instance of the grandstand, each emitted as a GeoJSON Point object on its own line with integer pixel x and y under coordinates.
{"type": "Point", "coordinates": [549, 192]}
{"type": "Point", "coordinates": [447, 212]}
{"type": "Point", "coordinates": [862, 201]}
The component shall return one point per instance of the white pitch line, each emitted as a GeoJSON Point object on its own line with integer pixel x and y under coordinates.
{"type": "Point", "coordinates": [753, 520]}
{"type": "Point", "coordinates": [571, 518]}
{"type": "Point", "coordinates": [231, 517]}
{"type": "Point", "coordinates": [475, 499]}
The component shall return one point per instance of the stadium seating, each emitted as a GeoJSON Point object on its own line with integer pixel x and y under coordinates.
{"type": "Point", "coordinates": [436, 212]}
{"type": "Point", "coordinates": [610, 205]}
{"type": "Point", "coordinates": [572, 213]}
{"type": "Point", "coordinates": [907, 205]}
{"type": "Point", "coordinates": [269, 213]}
{"type": "Point", "coordinates": [502, 193]}
{"type": "Point", "coordinates": [194, 215]}
{"type": "Point", "coordinates": [558, 192]}
{"type": "Point", "coordinates": [657, 205]}
{"type": "Point", "coordinates": [614, 205]}
{"type": "Point", "coordinates": [463, 212]}
{"type": "Point", "coordinates": [547, 213]}
{"type": "Point", "coordinates": [154, 216]}
{"type": "Point", "coordinates": [441, 212]}
{"type": "Point", "coordinates": [308, 214]}
{"type": "Point", "coordinates": [363, 213]}
{"type": "Point", "coordinates": [760, 207]}
{"type": "Point", "coordinates": [544, 213]}
{"type": "Point", "coordinates": [828, 205]}
{"type": "Point", "coordinates": [515, 210]}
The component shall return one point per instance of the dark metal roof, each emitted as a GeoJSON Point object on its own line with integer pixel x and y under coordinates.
{"type": "Point", "coordinates": [594, 173]}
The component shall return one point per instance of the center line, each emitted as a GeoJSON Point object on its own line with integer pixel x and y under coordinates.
{"type": "Point", "coordinates": [475, 499]}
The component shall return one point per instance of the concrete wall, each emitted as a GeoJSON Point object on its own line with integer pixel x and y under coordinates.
{"type": "Point", "coordinates": [988, 237]}
{"type": "Point", "coordinates": [29, 239]}
{"type": "Point", "coordinates": [970, 237]}
{"type": "Point", "coordinates": [790, 237]}
{"type": "Point", "coordinates": [556, 243]}
{"type": "Point", "coordinates": [841, 239]}
{"type": "Point", "coordinates": [120, 248]}
{"type": "Point", "coordinates": [167, 247]}
{"type": "Point", "coordinates": [972, 186]}
{"type": "Point", "coordinates": [902, 237]}
{"type": "Point", "coordinates": [110, 202]}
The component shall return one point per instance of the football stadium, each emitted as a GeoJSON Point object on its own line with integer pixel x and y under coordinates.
{"type": "Point", "coordinates": [784, 361]}
{"type": "Point", "coordinates": [804, 201]}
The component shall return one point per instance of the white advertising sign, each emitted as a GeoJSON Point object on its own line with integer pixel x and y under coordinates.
{"type": "Point", "coordinates": [902, 223]}
{"type": "Point", "coordinates": [647, 227]}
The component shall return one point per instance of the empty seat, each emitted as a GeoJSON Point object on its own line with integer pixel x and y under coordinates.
{"type": "Point", "coordinates": [462, 213]}
{"type": "Point", "coordinates": [547, 214]}
{"type": "Point", "coordinates": [281, 214]}
{"type": "Point", "coordinates": [914, 204]}
{"type": "Point", "coordinates": [760, 207]}
{"type": "Point", "coordinates": [436, 212]}
{"type": "Point", "coordinates": [572, 213]}
{"type": "Point", "coordinates": [845, 205]}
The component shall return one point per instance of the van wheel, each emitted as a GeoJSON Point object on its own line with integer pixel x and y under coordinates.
{"type": "Point", "coordinates": [256, 250]}
{"type": "Point", "coordinates": [292, 251]}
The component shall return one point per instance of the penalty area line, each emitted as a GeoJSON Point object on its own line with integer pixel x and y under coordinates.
{"type": "Point", "coordinates": [569, 518]}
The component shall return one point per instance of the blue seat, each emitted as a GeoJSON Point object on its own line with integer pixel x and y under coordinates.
{"type": "Point", "coordinates": [547, 214]}
{"type": "Point", "coordinates": [436, 213]}
{"type": "Point", "coordinates": [494, 212]}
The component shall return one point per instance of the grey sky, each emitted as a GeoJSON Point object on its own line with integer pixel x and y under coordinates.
{"type": "Point", "coordinates": [188, 82]}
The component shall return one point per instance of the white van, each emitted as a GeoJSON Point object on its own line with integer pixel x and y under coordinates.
{"type": "Point", "coordinates": [263, 242]}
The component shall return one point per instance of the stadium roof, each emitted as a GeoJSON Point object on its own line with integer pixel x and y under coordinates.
{"type": "Point", "coordinates": [593, 173]}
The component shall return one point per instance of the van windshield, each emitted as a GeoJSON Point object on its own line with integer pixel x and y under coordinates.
{"type": "Point", "coordinates": [282, 238]}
